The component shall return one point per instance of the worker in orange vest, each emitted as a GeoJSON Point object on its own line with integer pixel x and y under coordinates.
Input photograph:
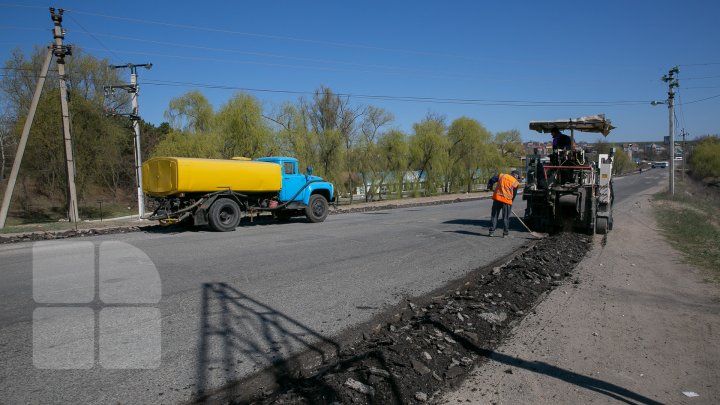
{"type": "Point", "coordinates": [506, 186]}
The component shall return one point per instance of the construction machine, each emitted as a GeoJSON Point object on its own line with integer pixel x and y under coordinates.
{"type": "Point", "coordinates": [570, 188]}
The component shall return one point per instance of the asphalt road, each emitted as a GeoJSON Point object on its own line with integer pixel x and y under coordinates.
{"type": "Point", "coordinates": [231, 303]}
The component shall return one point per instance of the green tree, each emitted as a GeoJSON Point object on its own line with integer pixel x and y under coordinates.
{"type": "Point", "coordinates": [705, 159]}
{"type": "Point", "coordinates": [190, 112]}
{"type": "Point", "coordinates": [621, 161]}
{"type": "Point", "coordinates": [509, 144]}
{"type": "Point", "coordinates": [365, 159]}
{"type": "Point", "coordinates": [292, 136]}
{"type": "Point", "coordinates": [333, 120]}
{"type": "Point", "coordinates": [470, 151]}
{"type": "Point", "coordinates": [428, 151]}
{"type": "Point", "coordinates": [102, 146]}
{"type": "Point", "coordinates": [394, 155]}
{"type": "Point", "coordinates": [242, 128]}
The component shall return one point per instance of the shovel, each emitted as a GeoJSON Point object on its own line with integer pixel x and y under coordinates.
{"type": "Point", "coordinates": [534, 234]}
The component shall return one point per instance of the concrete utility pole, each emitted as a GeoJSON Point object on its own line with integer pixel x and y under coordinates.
{"type": "Point", "coordinates": [134, 90]}
{"type": "Point", "coordinates": [60, 51]}
{"type": "Point", "coordinates": [24, 137]}
{"type": "Point", "coordinates": [672, 83]}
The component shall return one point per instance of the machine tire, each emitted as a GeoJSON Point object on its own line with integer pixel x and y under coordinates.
{"type": "Point", "coordinates": [317, 208]}
{"type": "Point", "coordinates": [224, 215]}
{"type": "Point", "coordinates": [601, 225]}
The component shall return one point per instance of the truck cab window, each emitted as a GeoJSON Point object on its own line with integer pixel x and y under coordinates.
{"type": "Point", "coordinates": [289, 167]}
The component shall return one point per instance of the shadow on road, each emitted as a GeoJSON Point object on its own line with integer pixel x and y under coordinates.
{"type": "Point", "coordinates": [236, 328]}
{"type": "Point", "coordinates": [484, 224]}
{"type": "Point", "coordinates": [616, 392]}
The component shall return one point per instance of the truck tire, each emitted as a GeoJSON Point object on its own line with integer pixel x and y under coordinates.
{"type": "Point", "coordinates": [601, 225]}
{"type": "Point", "coordinates": [224, 215]}
{"type": "Point", "coordinates": [317, 208]}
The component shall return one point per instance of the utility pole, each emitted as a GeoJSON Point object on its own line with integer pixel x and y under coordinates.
{"type": "Point", "coordinates": [24, 137]}
{"type": "Point", "coordinates": [133, 89]}
{"type": "Point", "coordinates": [672, 83]}
{"type": "Point", "coordinates": [60, 51]}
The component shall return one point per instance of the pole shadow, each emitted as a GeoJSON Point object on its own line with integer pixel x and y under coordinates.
{"type": "Point", "coordinates": [236, 328]}
{"type": "Point", "coordinates": [613, 391]}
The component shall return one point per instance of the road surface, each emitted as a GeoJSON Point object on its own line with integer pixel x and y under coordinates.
{"type": "Point", "coordinates": [231, 303]}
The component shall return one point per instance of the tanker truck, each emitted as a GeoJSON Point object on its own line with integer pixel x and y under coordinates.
{"type": "Point", "coordinates": [220, 192]}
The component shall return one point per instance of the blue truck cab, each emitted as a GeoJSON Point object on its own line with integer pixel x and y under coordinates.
{"type": "Point", "coordinates": [300, 193]}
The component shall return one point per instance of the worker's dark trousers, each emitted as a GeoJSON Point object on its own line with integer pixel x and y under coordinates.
{"type": "Point", "coordinates": [497, 208]}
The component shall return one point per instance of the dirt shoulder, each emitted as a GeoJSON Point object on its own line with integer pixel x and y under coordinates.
{"type": "Point", "coordinates": [640, 327]}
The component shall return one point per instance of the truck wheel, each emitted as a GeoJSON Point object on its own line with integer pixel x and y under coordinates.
{"type": "Point", "coordinates": [317, 209]}
{"type": "Point", "coordinates": [601, 225]}
{"type": "Point", "coordinates": [224, 215]}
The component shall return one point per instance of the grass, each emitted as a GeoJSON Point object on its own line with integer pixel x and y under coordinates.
{"type": "Point", "coordinates": [49, 219]}
{"type": "Point", "coordinates": [691, 221]}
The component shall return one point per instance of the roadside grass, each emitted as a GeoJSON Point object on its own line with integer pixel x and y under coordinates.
{"type": "Point", "coordinates": [50, 219]}
{"type": "Point", "coordinates": [691, 223]}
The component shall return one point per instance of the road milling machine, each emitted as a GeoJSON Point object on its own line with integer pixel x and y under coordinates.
{"type": "Point", "coordinates": [570, 189]}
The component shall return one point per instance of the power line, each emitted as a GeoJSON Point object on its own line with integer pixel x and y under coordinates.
{"type": "Point", "coordinates": [700, 78]}
{"type": "Point", "coordinates": [269, 55]}
{"type": "Point", "coordinates": [284, 65]}
{"type": "Point", "coordinates": [320, 42]}
{"type": "Point", "coordinates": [702, 99]}
{"type": "Point", "coordinates": [93, 36]}
{"type": "Point", "coordinates": [701, 64]}
{"type": "Point", "coordinates": [436, 100]}
{"type": "Point", "coordinates": [266, 36]}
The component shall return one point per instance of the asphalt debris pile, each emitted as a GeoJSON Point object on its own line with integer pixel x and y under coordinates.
{"type": "Point", "coordinates": [433, 343]}
{"type": "Point", "coordinates": [54, 235]}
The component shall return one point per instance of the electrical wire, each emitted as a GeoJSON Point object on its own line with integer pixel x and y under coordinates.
{"type": "Point", "coordinates": [702, 99]}
{"type": "Point", "coordinates": [94, 37]}
{"type": "Point", "coordinates": [701, 78]}
{"type": "Point", "coordinates": [273, 37]}
{"type": "Point", "coordinates": [436, 100]}
{"type": "Point", "coordinates": [262, 54]}
{"type": "Point", "coordinates": [701, 64]}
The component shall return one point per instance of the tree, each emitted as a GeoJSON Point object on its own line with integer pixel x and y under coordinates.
{"type": "Point", "coordinates": [470, 150]}
{"type": "Point", "coordinates": [509, 144]}
{"type": "Point", "coordinates": [292, 136]}
{"type": "Point", "coordinates": [190, 112]}
{"type": "Point", "coordinates": [332, 119]}
{"type": "Point", "coordinates": [428, 150]}
{"type": "Point", "coordinates": [365, 159]}
{"type": "Point", "coordinates": [101, 144]}
{"type": "Point", "coordinates": [242, 128]}
{"type": "Point", "coordinates": [394, 151]}
{"type": "Point", "coordinates": [6, 144]}
{"type": "Point", "coordinates": [621, 161]}
{"type": "Point", "coordinates": [705, 159]}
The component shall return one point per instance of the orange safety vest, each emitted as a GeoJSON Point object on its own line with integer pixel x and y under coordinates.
{"type": "Point", "coordinates": [504, 188]}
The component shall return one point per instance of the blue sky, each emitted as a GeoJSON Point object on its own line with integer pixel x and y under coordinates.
{"type": "Point", "coordinates": [515, 61]}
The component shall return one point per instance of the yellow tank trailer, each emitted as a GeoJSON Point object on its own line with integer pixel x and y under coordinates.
{"type": "Point", "coordinates": [166, 176]}
{"type": "Point", "coordinates": [219, 193]}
